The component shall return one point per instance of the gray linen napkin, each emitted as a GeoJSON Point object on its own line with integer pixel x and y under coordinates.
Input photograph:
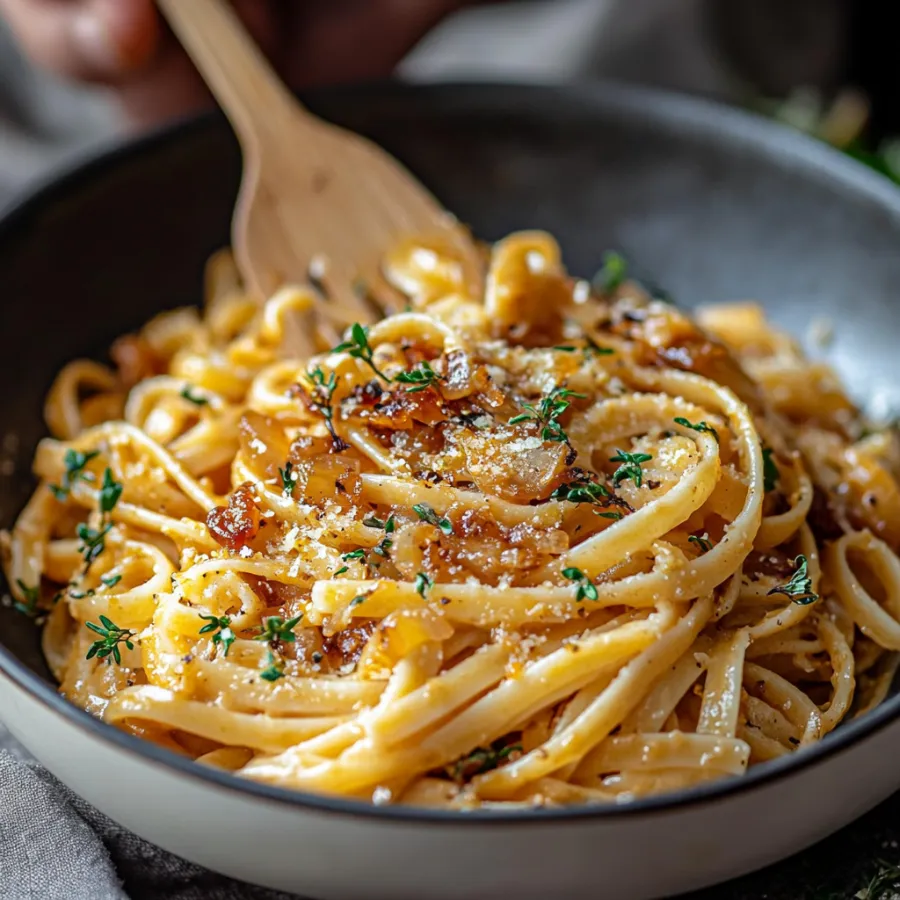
{"type": "Point", "coordinates": [54, 846]}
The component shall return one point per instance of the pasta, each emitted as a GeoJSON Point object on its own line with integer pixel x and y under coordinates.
{"type": "Point", "coordinates": [559, 543]}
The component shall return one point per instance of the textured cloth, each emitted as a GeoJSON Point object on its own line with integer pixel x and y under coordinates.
{"type": "Point", "coordinates": [52, 844]}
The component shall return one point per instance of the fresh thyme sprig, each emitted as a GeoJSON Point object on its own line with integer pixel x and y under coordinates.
{"type": "Point", "coordinates": [382, 548]}
{"type": "Point", "coordinates": [704, 544]}
{"type": "Point", "coordinates": [547, 413]}
{"type": "Point", "coordinates": [322, 400]}
{"type": "Point", "coordinates": [590, 348]}
{"type": "Point", "coordinates": [586, 588]}
{"type": "Point", "coordinates": [420, 378]}
{"type": "Point", "coordinates": [288, 477]}
{"type": "Point", "coordinates": [75, 462]}
{"type": "Point", "coordinates": [32, 596]}
{"type": "Point", "coordinates": [423, 584]}
{"type": "Point", "coordinates": [275, 668]}
{"type": "Point", "coordinates": [278, 629]}
{"type": "Point", "coordinates": [384, 545]}
{"type": "Point", "coordinates": [799, 588]}
{"type": "Point", "coordinates": [699, 426]}
{"type": "Point", "coordinates": [584, 489]}
{"type": "Point", "coordinates": [375, 522]}
{"type": "Point", "coordinates": [93, 540]}
{"type": "Point", "coordinates": [108, 581]}
{"type": "Point", "coordinates": [107, 647]}
{"type": "Point", "coordinates": [427, 514]}
{"type": "Point", "coordinates": [481, 760]}
{"type": "Point", "coordinates": [110, 491]}
{"type": "Point", "coordinates": [358, 347]}
{"type": "Point", "coordinates": [220, 628]}
{"type": "Point", "coordinates": [187, 392]}
{"type": "Point", "coordinates": [630, 467]}
{"type": "Point", "coordinates": [613, 273]}
{"type": "Point", "coordinates": [771, 473]}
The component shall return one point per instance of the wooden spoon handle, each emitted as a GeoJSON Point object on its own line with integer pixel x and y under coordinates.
{"type": "Point", "coordinates": [233, 67]}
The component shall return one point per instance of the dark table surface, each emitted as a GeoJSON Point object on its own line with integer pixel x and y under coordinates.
{"type": "Point", "coordinates": [860, 862]}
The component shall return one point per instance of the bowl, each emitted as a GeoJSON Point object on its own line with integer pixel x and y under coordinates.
{"type": "Point", "coordinates": [710, 203]}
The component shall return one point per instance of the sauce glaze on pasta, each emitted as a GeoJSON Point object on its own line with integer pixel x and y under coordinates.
{"type": "Point", "coordinates": [548, 545]}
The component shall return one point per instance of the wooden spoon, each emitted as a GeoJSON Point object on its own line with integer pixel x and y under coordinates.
{"type": "Point", "coordinates": [316, 202]}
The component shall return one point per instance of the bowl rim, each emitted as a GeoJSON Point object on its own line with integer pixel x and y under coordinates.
{"type": "Point", "coordinates": [710, 119]}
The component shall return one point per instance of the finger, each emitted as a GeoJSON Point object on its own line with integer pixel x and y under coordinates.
{"type": "Point", "coordinates": [97, 40]}
{"type": "Point", "coordinates": [348, 40]}
{"type": "Point", "coordinates": [171, 87]}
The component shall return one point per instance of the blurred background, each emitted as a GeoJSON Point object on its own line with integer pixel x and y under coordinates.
{"type": "Point", "coordinates": [824, 66]}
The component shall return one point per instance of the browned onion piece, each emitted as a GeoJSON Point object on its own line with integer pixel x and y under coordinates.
{"type": "Point", "coordinates": [513, 465]}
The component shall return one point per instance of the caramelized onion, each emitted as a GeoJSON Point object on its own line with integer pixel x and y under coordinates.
{"type": "Point", "coordinates": [512, 464]}
{"type": "Point", "coordinates": [135, 359]}
{"type": "Point", "coordinates": [235, 525]}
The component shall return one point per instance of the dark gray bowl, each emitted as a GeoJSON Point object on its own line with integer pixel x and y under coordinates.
{"type": "Point", "coordinates": [710, 204]}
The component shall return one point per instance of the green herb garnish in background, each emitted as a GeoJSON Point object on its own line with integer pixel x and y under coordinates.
{"type": "Point", "coordinates": [613, 273]}
{"type": "Point", "coordinates": [93, 540]}
{"type": "Point", "coordinates": [110, 491]}
{"type": "Point", "coordinates": [423, 584]}
{"type": "Point", "coordinates": [74, 461]}
{"type": "Point", "coordinates": [32, 595]}
{"type": "Point", "coordinates": [187, 392]}
{"type": "Point", "coordinates": [590, 348]}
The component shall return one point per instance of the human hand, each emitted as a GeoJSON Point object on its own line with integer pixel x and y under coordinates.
{"type": "Point", "coordinates": [124, 44]}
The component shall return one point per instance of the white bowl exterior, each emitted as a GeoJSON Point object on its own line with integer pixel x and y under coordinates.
{"type": "Point", "coordinates": [339, 856]}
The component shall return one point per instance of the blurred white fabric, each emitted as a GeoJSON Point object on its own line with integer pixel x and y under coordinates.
{"type": "Point", "coordinates": [648, 41]}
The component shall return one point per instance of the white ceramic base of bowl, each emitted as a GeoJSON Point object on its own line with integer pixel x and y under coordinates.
{"type": "Point", "coordinates": [351, 855]}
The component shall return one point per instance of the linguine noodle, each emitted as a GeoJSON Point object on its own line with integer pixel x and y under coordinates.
{"type": "Point", "coordinates": [556, 544]}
